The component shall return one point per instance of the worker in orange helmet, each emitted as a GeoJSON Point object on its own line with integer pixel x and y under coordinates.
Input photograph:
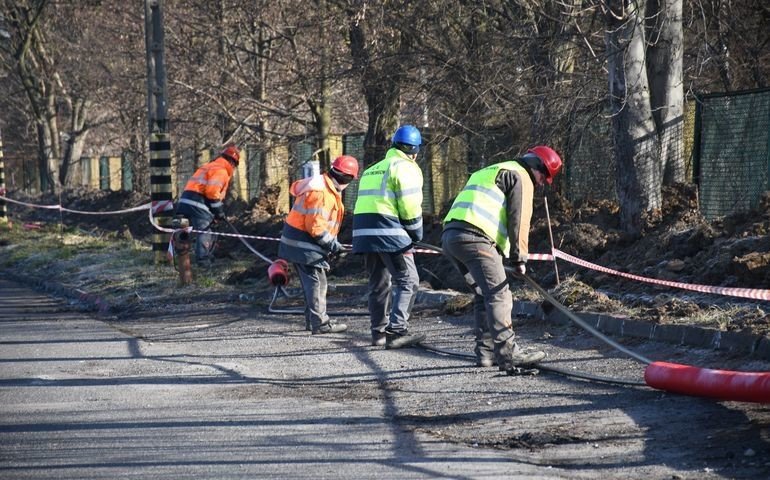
{"type": "Point", "coordinates": [202, 201]}
{"type": "Point", "coordinates": [489, 221]}
{"type": "Point", "coordinates": [309, 236]}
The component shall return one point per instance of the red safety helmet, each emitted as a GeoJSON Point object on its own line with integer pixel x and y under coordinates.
{"type": "Point", "coordinates": [231, 152]}
{"type": "Point", "coordinates": [346, 164]}
{"type": "Point", "coordinates": [549, 157]}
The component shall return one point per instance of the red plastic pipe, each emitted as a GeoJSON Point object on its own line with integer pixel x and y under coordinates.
{"type": "Point", "coordinates": [704, 382]}
{"type": "Point", "coordinates": [278, 273]}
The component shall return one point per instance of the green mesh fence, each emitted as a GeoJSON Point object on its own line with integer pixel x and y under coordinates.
{"type": "Point", "coordinates": [255, 157]}
{"type": "Point", "coordinates": [732, 151]}
{"type": "Point", "coordinates": [301, 157]}
{"type": "Point", "coordinates": [353, 144]}
{"type": "Point", "coordinates": [104, 173]}
{"type": "Point", "coordinates": [127, 175]}
{"type": "Point", "coordinates": [589, 168]}
{"type": "Point", "coordinates": [724, 139]}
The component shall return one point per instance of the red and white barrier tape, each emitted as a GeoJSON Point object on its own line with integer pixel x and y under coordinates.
{"type": "Point", "coordinates": [223, 234]}
{"type": "Point", "coordinates": [81, 212]}
{"type": "Point", "coordinates": [754, 294]}
{"type": "Point", "coordinates": [546, 257]}
{"type": "Point", "coordinates": [162, 206]}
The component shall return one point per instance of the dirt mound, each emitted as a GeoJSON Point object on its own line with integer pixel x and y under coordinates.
{"type": "Point", "coordinates": [111, 204]}
{"type": "Point", "coordinates": [677, 244]}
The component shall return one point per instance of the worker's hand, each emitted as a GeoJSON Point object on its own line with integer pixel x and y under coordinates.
{"type": "Point", "coordinates": [219, 217]}
{"type": "Point", "coordinates": [335, 247]}
{"type": "Point", "coordinates": [520, 267]}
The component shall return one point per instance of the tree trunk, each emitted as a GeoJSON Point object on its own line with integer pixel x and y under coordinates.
{"type": "Point", "coordinates": [635, 143]}
{"type": "Point", "coordinates": [140, 165]}
{"type": "Point", "coordinates": [322, 117]}
{"type": "Point", "coordinates": [382, 93]}
{"type": "Point", "coordinates": [75, 140]}
{"type": "Point", "coordinates": [557, 62]}
{"type": "Point", "coordinates": [319, 107]}
{"type": "Point", "coordinates": [664, 66]}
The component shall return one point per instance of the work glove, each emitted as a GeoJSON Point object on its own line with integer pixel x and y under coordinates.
{"type": "Point", "coordinates": [335, 247]}
{"type": "Point", "coordinates": [219, 216]}
{"type": "Point", "coordinates": [520, 267]}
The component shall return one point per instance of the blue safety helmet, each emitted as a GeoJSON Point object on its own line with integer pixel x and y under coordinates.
{"type": "Point", "coordinates": [407, 139]}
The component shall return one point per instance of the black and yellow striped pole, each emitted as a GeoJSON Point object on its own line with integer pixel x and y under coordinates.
{"type": "Point", "coordinates": [3, 207]}
{"type": "Point", "coordinates": [161, 192]}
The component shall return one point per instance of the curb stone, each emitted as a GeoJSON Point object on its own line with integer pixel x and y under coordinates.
{"type": "Point", "coordinates": [91, 302]}
{"type": "Point", "coordinates": [757, 346]}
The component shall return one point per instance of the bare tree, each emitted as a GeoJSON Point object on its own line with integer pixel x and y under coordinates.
{"type": "Point", "coordinates": [665, 69]}
{"type": "Point", "coordinates": [47, 49]}
{"type": "Point", "coordinates": [502, 74]}
{"type": "Point", "coordinates": [643, 115]}
{"type": "Point", "coordinates": [728, 44]}
{"type": "Point", "coordinates": [378, 52]}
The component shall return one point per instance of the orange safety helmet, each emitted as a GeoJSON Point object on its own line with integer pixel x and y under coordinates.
{"type": "Point", "coordinates": [550, 159]}
{"type": "Point", "coordinates": [346, 164]}
{"type": "Point", "coordinates": [231, 152]}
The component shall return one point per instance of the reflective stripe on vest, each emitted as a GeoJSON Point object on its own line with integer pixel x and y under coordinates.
{"type": "Point", "coordinates": [392, 187]}
{"type": "Point", "coordinates": [482, 204]}
{"type": "Point", "coordinates": [312, 224]}
{"type": "Point", "coordinates": [390, 200]}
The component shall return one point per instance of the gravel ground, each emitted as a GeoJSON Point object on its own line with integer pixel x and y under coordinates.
{"type": "Point", "coordinates": [581, 428]}
{"type": "Point", "coordinates": [546, 426]}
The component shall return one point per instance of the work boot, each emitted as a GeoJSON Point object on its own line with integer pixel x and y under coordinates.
{"type": "Point", "coordinates": [511, 356]}
{"type": "Point", "coordinates": [401, 339]}
{"type": "Point", "coordinates": [308, 327]}
{"type": "Point", "coordinates": [330, 327]}
{"type": "Point", "coordinates": [378, 339]}
{"type": "Point", "coordinates": [485, 355]}
{"type": "Point", "coordinates": [486, 360]}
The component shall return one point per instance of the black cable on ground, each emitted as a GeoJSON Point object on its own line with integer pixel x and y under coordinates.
{"type": "Point", "coordinates": [541, 366]}
{"type": "Point", "coordinates": [580, 322]}
{"type": "Point", "coordinates": [291, 311]}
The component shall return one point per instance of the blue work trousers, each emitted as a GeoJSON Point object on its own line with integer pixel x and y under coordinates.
{"type": "Point", "coordinates": [200, 220]}
{"type": "Point", "coordinates": [393, 283]}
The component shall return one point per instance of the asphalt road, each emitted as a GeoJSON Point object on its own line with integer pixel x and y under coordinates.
{"type": "Point", "coordinates": [211, 390]}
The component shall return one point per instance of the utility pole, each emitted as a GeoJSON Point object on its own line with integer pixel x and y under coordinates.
{"type": "Point", "coordinates": [161, 192]}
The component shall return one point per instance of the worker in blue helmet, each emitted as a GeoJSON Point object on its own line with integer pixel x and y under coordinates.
{"type": "Point", "coordinates": [387, 220]}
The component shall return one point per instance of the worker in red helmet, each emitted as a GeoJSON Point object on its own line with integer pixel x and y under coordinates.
{"type": "Point", "coordinates": [309, 236]}
{"type": "Point", "coordinates": [489, 221]}
{"type": "Point", "coordinates": [202, 201]}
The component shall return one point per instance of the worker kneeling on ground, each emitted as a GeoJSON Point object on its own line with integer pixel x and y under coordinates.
{"type": "Point", "coordinates": [309, 236]}
{"type": "Point", "coordinates": [202, 201]}
{"type": "Point", "coordinates": [490, 220]}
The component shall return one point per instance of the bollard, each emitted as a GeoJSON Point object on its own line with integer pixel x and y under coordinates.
{"type": "Point", "coordinates": [182, 241]}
